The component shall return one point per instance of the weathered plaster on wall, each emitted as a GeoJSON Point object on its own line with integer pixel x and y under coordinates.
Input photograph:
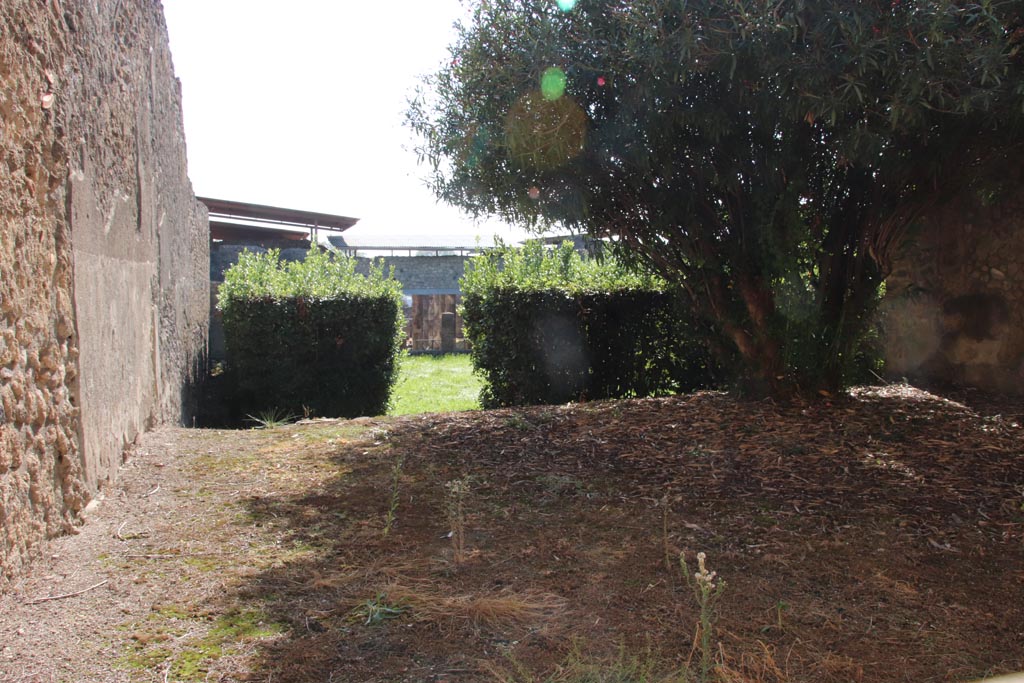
{"type": "Point", "coordinates": [103, 255]}
{"type": "Point", "coordinates": [140, 240]}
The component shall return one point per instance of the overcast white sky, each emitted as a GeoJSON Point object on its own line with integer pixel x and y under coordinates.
{"type": "Point", "coordinates": [301, 103]}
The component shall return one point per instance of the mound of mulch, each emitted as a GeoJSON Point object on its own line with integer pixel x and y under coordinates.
{"type": "Point", "coordinates": [875, 536]}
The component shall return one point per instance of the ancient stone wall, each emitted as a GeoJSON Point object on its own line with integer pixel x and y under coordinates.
{"type": "Point", "coordinates": [954, 307]}
{"type": "Point", "coordinates": [103, 255]}
{"type": "Point", "coordinates": [423, 274]}
{"type": "Point", "coordinates": [41, 484]}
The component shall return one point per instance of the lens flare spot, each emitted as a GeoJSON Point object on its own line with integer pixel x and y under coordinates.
{"type": "Point", "coordinates": [534, 193]}
{"type": "Point", "coordinates": [601, 81]}
{"type": "Point", "coordinates": [566, 5]}
{"type": "Point", "coordinates": [552, 83]}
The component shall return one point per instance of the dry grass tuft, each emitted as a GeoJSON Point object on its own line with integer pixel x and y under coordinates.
{"type": "Point", "coordinates": [835, 667]}
{"type": "Point", "coordinates": [752, 667]}
{"type": "Point", "coordinates": [506, 608]}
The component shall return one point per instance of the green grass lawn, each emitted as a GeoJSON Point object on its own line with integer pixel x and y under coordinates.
{"type": "Point", "coordinates": [435, 384]}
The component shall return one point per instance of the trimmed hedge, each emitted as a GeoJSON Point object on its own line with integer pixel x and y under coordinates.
{"type": "Point", "coordinates": [548, 326]}
{"type": "Point", "coordinates": [311, 336]}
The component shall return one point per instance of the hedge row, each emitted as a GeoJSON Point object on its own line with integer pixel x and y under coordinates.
{"type": "Point", "coordinates": [310, 337]}
{"type": "Point", "coordinates": [548, 326]}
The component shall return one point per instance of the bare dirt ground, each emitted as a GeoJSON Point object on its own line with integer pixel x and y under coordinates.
{"type": "Point", "coordinates": [876, 537]}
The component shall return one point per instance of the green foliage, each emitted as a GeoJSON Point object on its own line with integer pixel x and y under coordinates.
{"type": "Point", "coordinates": [378, 610]}
{"type": "Point", "coordinates": [548, 326]}
{"type": "Point", "coordinates": [321, 275]}
{"type": "Point", "coordinates": [536, 268]}
{"type": "Point", "coordinates": [271, 418]}
{"type": "Point", "coordinates": [765, 157]}
{"type": "Point", "coordinates": [396, 480]}
{"type": "Point", "coordinates": [310, 337]}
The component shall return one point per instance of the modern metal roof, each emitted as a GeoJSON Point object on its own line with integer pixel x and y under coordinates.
{"type": "Point", "coordinates": [242, 211]}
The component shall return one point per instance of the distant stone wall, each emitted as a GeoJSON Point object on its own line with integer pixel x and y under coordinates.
{"type": "Point", "coordinates": [224, 255]}
{"type": "Point", "coordinates": [424, 274]}
{"type": "Point", "coordinates": [103, 256]}
{"type": "Point", "coordinates": [954, 307]}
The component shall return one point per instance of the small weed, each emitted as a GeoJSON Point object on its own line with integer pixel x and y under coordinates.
{"type": "Point", "coordinates": [1020, 501]}
{"type": "Point", "coordinates": [271, 418]}
{"type": "Point", "coordinates": [781, 607]}
{"type": "Point", "coordinates": [560, 484]}
{"type": "Point", "coordinates": [379, 435]}
{"type": "Point", "coordinates": [378, 610]}
{"type": "Point", "coordinates": [707, 589]}
{"type": "Point", "coordinates": [666, 503]}
{"type": "Point", "coordinates": [396, 474]}
{"type": "Point", "coordinates": [516, 421]}
{"type": "Point", "coordinates": [456, 500]}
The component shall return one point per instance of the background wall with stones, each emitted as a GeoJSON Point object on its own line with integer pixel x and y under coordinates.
{"type": "Point", "coordinates": [423, 274]}
{"type": "Point", "coordinates": [103, 256]}
{"type": "Point", "coordinates": [954, 306]}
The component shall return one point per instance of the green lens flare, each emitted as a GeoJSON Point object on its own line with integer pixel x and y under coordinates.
{"type": "Point", "coordinates": [552, 83]}
{"type": "Point", "coordinates": [566, 5]}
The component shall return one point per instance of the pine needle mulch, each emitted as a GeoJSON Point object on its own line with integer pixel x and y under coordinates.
{"type": "Point", "coordinates": [876, 536]}
{"type": "Point", "coordinates": [871, 537]}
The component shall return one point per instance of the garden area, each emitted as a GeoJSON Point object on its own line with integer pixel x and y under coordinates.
{"type": "Point", "coordinates": [879, 537]}
{"type": "Point", "coordinates": [678, 458]}
{"type": "Point", "coordinates": [617, 514]}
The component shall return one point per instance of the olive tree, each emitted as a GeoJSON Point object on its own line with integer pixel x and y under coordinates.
{"type": "Point", "coordinates": [766, 157]}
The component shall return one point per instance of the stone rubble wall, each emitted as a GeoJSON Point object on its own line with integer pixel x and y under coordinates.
{"type": "Point", "coordinates": [954, 305]}
{"type": "Point", "coordinates": [418, 274]}
{"type": "Point", "coordinates": [422, 274]}
{"type": "Point", "coordinates": [103, 256]}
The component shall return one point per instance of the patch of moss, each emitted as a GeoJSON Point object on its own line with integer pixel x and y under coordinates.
{"type": "Point", "coordinates": [142, 658]}
{"type": "Point", "coordinates": [336, 433]}
{"type": "Point", "coordinates": [172, 612]}
{"type": "Point", "coordinates": [204, 564]}
{"type": "Point", "coordinates": [192, 659]}
{"type": "Point", "coordinates": [193, 662]}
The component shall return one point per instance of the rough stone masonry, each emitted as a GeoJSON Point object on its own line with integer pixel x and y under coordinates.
{"type": "Point", "coordinates": [103, 256]}
{"type": "Point", "coordinates": [954, 304]}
